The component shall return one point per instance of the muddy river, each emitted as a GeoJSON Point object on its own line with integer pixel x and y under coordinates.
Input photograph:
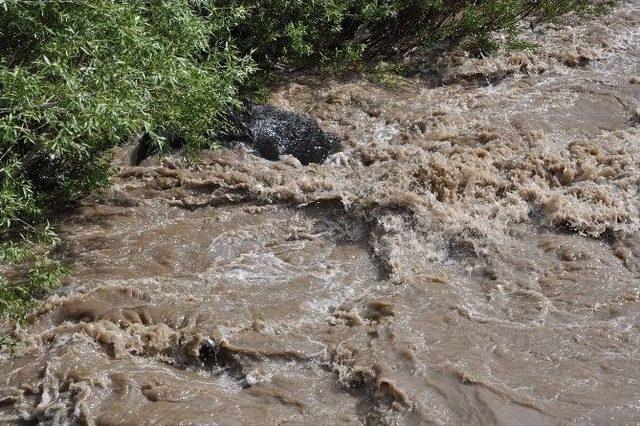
{"type": "Point", "coordinates": [471, 256]}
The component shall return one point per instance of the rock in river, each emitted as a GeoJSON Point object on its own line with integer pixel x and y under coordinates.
{"type": "Point", "coordinates": [273, 132]}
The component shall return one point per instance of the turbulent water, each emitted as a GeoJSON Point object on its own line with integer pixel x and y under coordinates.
{"type": "Point", "coordinates": [471, 256]}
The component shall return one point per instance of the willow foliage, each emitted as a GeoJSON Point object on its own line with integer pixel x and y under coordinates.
{"type": "Point", "coordinates": [76, 77]}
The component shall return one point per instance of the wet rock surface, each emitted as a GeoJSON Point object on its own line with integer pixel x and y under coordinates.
{"type": "Point", "coordinates": [470, 257]}
{"type": "Point", "coordinates": [273, 132]}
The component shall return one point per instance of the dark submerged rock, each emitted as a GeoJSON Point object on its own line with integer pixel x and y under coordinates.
{"type": "Point", "coordinates": [273, 132]}
{"type": "Point", "coordinates": [145, 148]}
{"type": "Point", "coordinates": [142, 149]}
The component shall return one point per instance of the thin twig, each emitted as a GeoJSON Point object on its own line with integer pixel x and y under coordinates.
{"type": "Point", "coordinates": [4, 111]}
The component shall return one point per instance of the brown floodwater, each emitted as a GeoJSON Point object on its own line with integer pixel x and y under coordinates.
{"type": "Point", "coordinates": [471, 256]}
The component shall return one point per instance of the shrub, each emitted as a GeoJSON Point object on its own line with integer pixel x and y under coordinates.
{"type": "Point", "coordinates": [35, 273]}
{"type": "Point", "coordinates": [77, 77]}
{"type": "Point", "coordinates": [17, 298]}
{"type": "Point", "coordinates": [350, 30]}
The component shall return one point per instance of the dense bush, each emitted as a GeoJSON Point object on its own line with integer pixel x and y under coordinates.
{"type": "Point", "coordinates": [77, 77]}
{"type": "Point", "coordinates": [349, 30]}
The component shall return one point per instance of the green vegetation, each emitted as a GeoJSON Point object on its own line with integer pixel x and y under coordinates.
{"type": "Point", "coordinates": [78, 77]}
{"type": "Point", "coordinates": [35, 273]}
{"type": "Point", "coordinates": [17, 298]}
{"type": "Point", "coordinates": [346, 32]}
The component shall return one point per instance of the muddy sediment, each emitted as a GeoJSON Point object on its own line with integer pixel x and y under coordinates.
{"type": "Point", "coordinates": [471, 256]}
